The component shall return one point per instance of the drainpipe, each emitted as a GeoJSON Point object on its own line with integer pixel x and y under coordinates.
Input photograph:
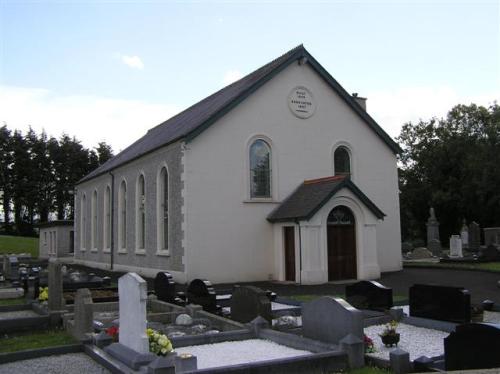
{"type": "Point", "coordinates": [300, 252]}
{"type": "Point", "coordinates": [111, 224]}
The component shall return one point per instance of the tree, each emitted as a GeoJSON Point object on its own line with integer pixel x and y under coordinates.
{"type": "Point", "coordinates": [5, 174]}
{"type": "Point", "coordinates": [452, 165]}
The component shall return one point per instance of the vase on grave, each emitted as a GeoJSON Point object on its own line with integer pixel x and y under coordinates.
{"type": "Point", "coordinates": [390, 340]}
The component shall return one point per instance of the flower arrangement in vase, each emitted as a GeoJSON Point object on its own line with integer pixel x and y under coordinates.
{"type": "Point", "coordinates": [390, 336]}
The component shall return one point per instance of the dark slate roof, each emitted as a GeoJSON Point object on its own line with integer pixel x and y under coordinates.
{"type": "Point", "coordinates": [311, 195]}
{"type": "Point", "coordinates": [194, 120]}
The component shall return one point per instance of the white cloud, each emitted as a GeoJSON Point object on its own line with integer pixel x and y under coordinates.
{"type": "Point", "coordinates": [231, 76]}
{"type": "Point", "coordinates": [134, 62]}
{"type": "Point", "coordinates": [90, 118]}
{"type": "Point", "coordinates": [392, 108]}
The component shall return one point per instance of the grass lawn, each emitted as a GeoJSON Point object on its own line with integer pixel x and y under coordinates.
{"type": "Point", "coordinates": [19, 300]}
{"type": "Point", "coordinates": [19, 244]}
{"type": "Point", "coordinates": [34, 340]}
{"type": "Point", "coordinates": [491, 266]}
{"type": "Point", "coordinates": [307, 298]}
{"type": "Point", "coordinates": [369, 370]}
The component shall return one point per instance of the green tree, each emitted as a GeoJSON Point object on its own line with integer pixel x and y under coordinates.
{"type": "Point", "coordinates": [5, 174]}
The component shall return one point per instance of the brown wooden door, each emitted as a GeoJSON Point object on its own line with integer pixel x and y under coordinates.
{"type": "Point", "coordinates": [341, 241]}
{"type": "Point", "coordinates": [289, 242]}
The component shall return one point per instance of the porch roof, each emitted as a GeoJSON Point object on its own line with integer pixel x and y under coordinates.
{"type": "Point", "coordinates": [311, 195]}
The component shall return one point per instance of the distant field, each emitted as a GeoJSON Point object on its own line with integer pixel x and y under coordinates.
{"type": "Point", "coordinates": [18, 244]}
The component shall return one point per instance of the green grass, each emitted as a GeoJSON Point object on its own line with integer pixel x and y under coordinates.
{"type": "Point", "coordinates": [19, 244]}
{"type": "Point", "coordinates": [19, 300]}
{"type": "Point", "coordinates": [22, 341]}
{"type": "Point", "coordinates": [490, 266]}
{"type": "Point", "coordinates": [307, 298]}
{"type": "Point", "coordinates": [370, 370]}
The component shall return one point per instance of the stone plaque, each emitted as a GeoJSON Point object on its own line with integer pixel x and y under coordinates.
{"type": "Point", "coordinates": [301, 102]}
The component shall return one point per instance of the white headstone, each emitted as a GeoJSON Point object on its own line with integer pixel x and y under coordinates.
{"type": "Point", "coordinates": [132, 290]}
{"type": "Point", "coordinates": [455, 246]}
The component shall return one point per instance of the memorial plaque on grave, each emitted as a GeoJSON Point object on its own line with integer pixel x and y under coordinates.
{"type": "Point", "coordinates": [440, 302]}
{"type": "Point", "coordinates": [369, 295]}
{"type": "Point", "coordinates": [248, 303]}
{"type": "Point", "coordinates": [165, 287]}
{"type": "Point", "coordinates": [202, 293]}
{"type": "Point", "coordinates": [473, 346]}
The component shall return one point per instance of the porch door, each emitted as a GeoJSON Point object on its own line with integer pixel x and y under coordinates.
{"type": "Point", "coordinates": [341, 241]}
{"type": "Point", "coordinates": [289, 244]}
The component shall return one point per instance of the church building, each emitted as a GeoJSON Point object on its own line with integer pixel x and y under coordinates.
{"type": "Point", "coordinates": [281, 175]}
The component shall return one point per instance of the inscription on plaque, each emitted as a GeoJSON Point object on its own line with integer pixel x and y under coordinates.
{"type": "Point", "coordinates": [301, 102]}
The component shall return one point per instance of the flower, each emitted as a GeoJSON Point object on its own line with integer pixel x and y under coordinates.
{"type": "Point", "coordinates": [369, 346]}
{"type": "Point", "coordinates": [114, 332]}
{"type": "Point", "coordinates": [390, 328]}
{"type": "Point", "coordinates": [159, 344]}
{"type": "Point", "coordinates": [43, 294]}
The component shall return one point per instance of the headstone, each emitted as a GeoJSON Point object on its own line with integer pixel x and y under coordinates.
{"type": "Point", "coordinates": [472, 346]}
{"type": "Point", "coordinates": [369, 295]}
{"type": "Point", "coordinates": [184, 320]}
{"type": "Point", "coordinates": [474, 236]}
{"type": "Point", "coordinates": [132, 290]}
{"type": "Point", "coordinates": [455, 246]}
{"type": "Point", "coordinates": [55, 284]}
{"type": "Point", "coordinates": [84, 313]}
{"type": "Point", "coordinates": [489, 253]}
{"type": "Point", "coordinates": [13, 267]}
{"type": "Point", "coordinates": [31, 288]}
{"type": "Point", "coordinates": [434, 246]}
{"type": "Point", "coordinates": [355, 349]}
{"type": "Point", "coordinates": [400, 361]}
{"type": "Point", "coordinates": [464, 235]}
{"type": "Point", "coordinates": [249, 302]}
{"type": "Point", "coordinates": [420, 253]}
{"type": "Point", "coordinates": [202, 293]}
{"type": "Point", "coordinates": [440, 302]}
{"type": "Point", "coordinates": [331, 319]}
{"type": "Point", "coordinates": [165, 287]}
{"type": "Point", "coordinates": [492, 236]}
{"type": "Point", "coordinates": [432, 226]}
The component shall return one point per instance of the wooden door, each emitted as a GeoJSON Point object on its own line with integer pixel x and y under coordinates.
{"type": "Point", "coordinates": [341, 241]}
{"type": "Point", "coordinates": [289, 243]}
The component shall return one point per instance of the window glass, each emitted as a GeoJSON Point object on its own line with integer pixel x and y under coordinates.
{"type": "Point", "coordinates": [260, 169]}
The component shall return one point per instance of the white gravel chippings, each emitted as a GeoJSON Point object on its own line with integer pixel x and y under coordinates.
{"type": "Point", "coordinates": [77, 363]}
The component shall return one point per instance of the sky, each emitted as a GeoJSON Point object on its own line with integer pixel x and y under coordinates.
{"type": "Point", "coordinates": [110, 70]}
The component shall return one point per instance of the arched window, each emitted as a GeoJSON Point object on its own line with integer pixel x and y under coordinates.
{"type": "Point", "coordinates": [83, 223]}
{"type": "Point", "coordinates": [140, 210]}
{"type": "Point", "coordinates": [162, 206]}
{"type": "Point", "coordinates": [260, 169]}
{"type": "Point", "coordinates": [93, 224]}
{"type": "Point", "coordinates": [107, 219]}
{"type": "Point", "coordinates": [342, 161]}
{"type": "Point", "coordinates": [122, 217]}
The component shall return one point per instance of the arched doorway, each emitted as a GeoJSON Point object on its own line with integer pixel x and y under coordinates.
{"type": "Point", "coordinates": [341, 242]}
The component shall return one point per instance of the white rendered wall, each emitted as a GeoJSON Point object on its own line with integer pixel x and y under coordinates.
{"type": "Point", "coordinates": [229, 238]}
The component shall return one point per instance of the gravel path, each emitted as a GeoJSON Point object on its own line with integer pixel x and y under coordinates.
{"type": "Point", "coordinates": [77, 363]}
{"type": "Point", "coordinates": [418, 341]}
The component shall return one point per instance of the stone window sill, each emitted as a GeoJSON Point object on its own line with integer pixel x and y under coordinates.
{"type": "Point", "coordinates": [141, 252]}
{"type": "Point", "coordinates": [93, 250]}
{"type": "Point", "coordinates": [83, 249]}
{"type": "Point", "coordinates": [106, 250]}
{"type": "Point", "coordinates": [163, 252]}
{"type": "Point", "coordinates": [261, 200]}
{"type": "Point", "coordinates": [122, 252]}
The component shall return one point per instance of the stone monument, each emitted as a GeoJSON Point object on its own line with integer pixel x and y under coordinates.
{"type": "Point", "coordinates": [249, 302]}
{"type": "Point", "coordinates": [55, 284]}
{"type": "Point", "coordinates": [474, 236]}
{"type": "Point", "coordinates": [456, 246]}
{"type": "Point", "coordinates": [464, 235]}
{"type": "Point", "coordinates": [83, 321]}
{"type": "Point", "coordinates": [433, 242]}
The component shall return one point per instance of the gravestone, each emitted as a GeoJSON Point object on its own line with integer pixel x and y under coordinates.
{"type": "Point", "coordinates": [165, 287]}
{"type": "Point", "coordinates": [464, 235]}
{"type": "Point", "coordinates": [489, 253]}
{"type": "Point", "coordinates": [12, 268]}
{"type": "Point", "coordinates": [432, 226]}
{"type": "Point", "coordinates": [84, 313]}
{"type": "Point", "coordinates": [474, 236]}
{"type": "Point", "coordinates": [440, 302]}
{"type": "Point", "coordinates": [331, 319]}
{"type": "Point", "coordinates": [55, 284]}
{"type": "Point", "coordinates": [202, 293]}
{"type": "Point", "coordinates": [455, 246]}
{"type": "Point", "coordinates": [420, 253]}
{"type": "Point", "coordinates": [472, 346]}
{"type": "Point", "coordinates": [248, 303]}
{"type": "Point", "coordinates": [132, 290]}
{"type": "Point", "coordinates": [369, 295]}
{"type": "Point", "coordinates": [434, 246]}
{"type": "Point", "coordinates": [492, 236]}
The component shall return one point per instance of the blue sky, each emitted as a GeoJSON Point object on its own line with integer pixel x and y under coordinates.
{"type": "Point", "coordinates": [109, 70]}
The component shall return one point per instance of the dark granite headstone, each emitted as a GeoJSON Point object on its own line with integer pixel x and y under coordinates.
{"type": "Point", "coordinates": [248, 303]}
{"type": "Point", "coordinates": [165, 287]}
{"type": "Point", "coordinates": [369, 295]}
{"type": "Point", "coordinates": [202, 293]}
{"type": "Point", "coordinates": [440, 302]}
{"type": "Point", "coordinates": [474, 237]}
{"type": "Point", "coordinates": [489, 253]}
{"type": "Point", "coordinates": [473, 346]}
{"type": "Point", "coordinates": [13, 268]}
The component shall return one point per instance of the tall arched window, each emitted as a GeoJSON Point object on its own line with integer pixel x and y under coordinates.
{"type": "Point", "coordinates": [83, 223]}
{"type": "Point", "coordinates": [93, 223]}
{"type": "Point", "coordinates": [162, 207]}
{"type": "Point", "coordinates": [122, 217]}
{"type": "Point", "coordinates": [140, 213]}
{"type": "Point", "coordinates": [107, 219]}
{"type": "Point", "coordinates": [260, 169]}
{"type": "Point", "coordinates": [342, 161]}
